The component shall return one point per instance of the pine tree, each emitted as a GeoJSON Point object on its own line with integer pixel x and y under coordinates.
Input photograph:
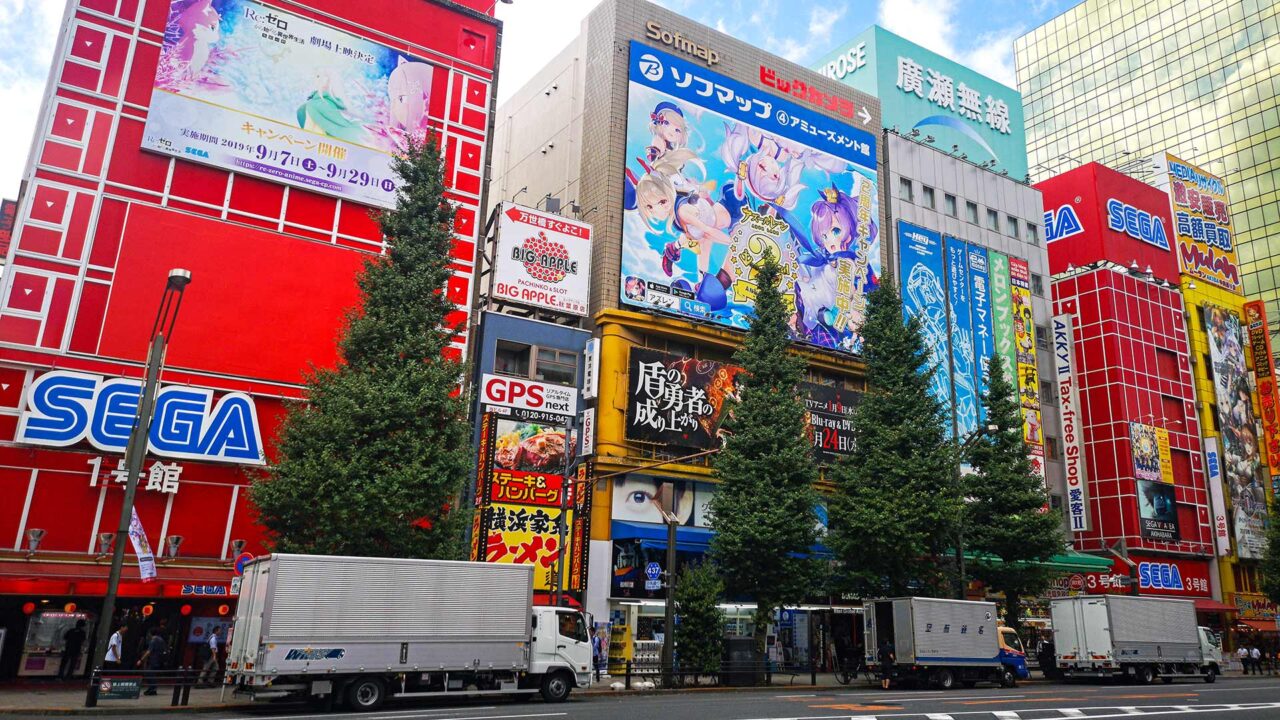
{"type": "Point", "coordinates": [700, 632]}
{"type": "Point", "coordinates": [1006, 522]}
{"type": "Point", "coordinates": [763, 510]}
{"type": "Point", "coordinates": [373, 461]}
{"type": "Point", "coordinates": [895, 501]}
{"type": "Point", "coordinates": [1269, 568]}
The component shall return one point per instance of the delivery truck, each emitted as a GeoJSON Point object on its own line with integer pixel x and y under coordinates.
{"type": "Point", "coordinates": [358, 630]}
{"type": "Point", "coordinates": [944, 643]}
{"type": "Point", "coordinates": [1141, 638]}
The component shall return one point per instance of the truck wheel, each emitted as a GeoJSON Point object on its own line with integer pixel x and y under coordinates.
{"type": "Point", "coordinates": [944, 679]}
{"type": "Point", "coordinates": [556, 687]}
{"type": "Point", "coordinates": [1007, 678]}
{"type": "Point", "coordinates": [1145, 675]}
{"type": "Point", "coordinates": [1210, 674]}
{"type": "Point", "coordinates": [366, 694]}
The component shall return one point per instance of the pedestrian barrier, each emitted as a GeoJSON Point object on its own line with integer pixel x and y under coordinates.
{"type": "Point", "coordinates": [643, 675]}
{"type": "Point", "coordinates": [126, 684]}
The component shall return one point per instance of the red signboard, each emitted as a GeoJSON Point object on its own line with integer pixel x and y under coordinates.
{"type": "Point", "coordinates": [1177, 577]}
{"type": "Point", "coordinates": [1255, 316]}
{"type": "Point", "coordinates": [804, 92]}
{"type": "Point", "coordinates": [1094, 213]}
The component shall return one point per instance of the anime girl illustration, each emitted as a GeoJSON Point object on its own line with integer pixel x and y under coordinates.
{"type": "Point", "coordinates": [409, 94]}
{"type": "Point", "coordinates": [832, 237]}
{"type": "Point", "coordinates": [767, 169]}
{"type": "Point", "coordinates": [199, 29]}
{"type": "Point", "coordinates": [323, 111]}
{"type": "Point", "coordinates": [670, 130]}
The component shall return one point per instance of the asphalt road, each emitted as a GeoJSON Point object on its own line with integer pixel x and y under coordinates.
{"type": "Point", "coordinates": [1245, 699]}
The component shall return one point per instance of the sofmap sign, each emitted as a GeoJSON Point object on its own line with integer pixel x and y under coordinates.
{"type": "Point", "coordinates": [64, 408]}
{"type": "Point", "coordinates": [922, 91]}
{"type": "Point", "coordinates": [542, 260]}
{"type": "Point", "coordinates": [676, 41]}
{"type": "Point", "coordinates": [1069, 400]}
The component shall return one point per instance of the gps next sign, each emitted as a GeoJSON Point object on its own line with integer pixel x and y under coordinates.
{"type": "Point", "coordinates": [921, 90]}
{"type": "Point", "coordinates": [527, 399]}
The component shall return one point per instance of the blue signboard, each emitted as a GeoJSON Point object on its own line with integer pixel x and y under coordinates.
{"type": "Point", "coordinates": [924, 297]}
{"type": "Point", "coordinates": [984, 344]}
{"type": "Point", "coordinates": [963, 375]}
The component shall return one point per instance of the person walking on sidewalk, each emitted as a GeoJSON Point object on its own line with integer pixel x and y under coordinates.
{"type": "Point", "coordinates": [152, 661]}
{"type": "Point", "coordinates": [72, 643]}
{"type": "Point", "coordinates": [115, 648]}
{"type": "Point", "coordinates": [1242, 654]}
{"type": "Point", "coordinates": [211, 670]}
{"type": "Point", "coordinates": [1255, 655]}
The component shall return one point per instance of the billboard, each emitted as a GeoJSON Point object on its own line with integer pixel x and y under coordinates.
{"type": "Point", "coordinates": [1240, 461]}
{"type": "Point", "coordinates": [1072, 427]}
{"type": "Point", "coordinates": [1213, 471]}
{"type": "Point", "coordinates": [542, 259]}
{"type": "Point", "coordinates": [983, 330]}
{"type": "Point", "coordinates": [924, 297]}
{"type": "Point", "coordinates": [1201, 223]}
{"type": "Point", "coordinates": [1145, 451]}
{"type": "Point", "coordinates": [250, 88]}
{"type": "Point", "coordinates": [963, 357]}
{"type": "Point", "coordinates": [1264, 369]}
{"type": "Point", "coordinates": [829, 416]}
{"type": "Point", "coordinates": [1158, 511]}
{"type": "Point", "coordinates": [1028, 374]}
{"type": "Point", "coordinates": [718, 174]}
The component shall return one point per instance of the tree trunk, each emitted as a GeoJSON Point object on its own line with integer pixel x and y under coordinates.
{"type": "Point", "coordinates": [1013, 610]}
{"type": "Point", "coordinates": [764, 614]}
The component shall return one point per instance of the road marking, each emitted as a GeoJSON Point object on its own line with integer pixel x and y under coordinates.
{"type": "Point", "coordinates": [1127, 711]}
{"type": "Point", "coordinates": [859, 708]}
{"type": "Point", "coordinates": [386, 714]}
{"type": "Point", "coordinates": [939, 716]}
{"type": "Point", "coordinates": [1071, 712]}
{"type": "Point", "coordinates": [1006, 715]}
{"type": "Point", "coordinates": [1002, 701]}
{"type": "Point", "coordinates": [949, 699]}
{"type": "Point", "coordinates": [792, 697]}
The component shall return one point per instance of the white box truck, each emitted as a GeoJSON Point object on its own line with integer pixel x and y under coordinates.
{"type": "Point", "coordinates": [1139, 637]}
{"type": "Point", "coordinates": [944, 642]}
{"type": "Point", "coordinates": [359, 630]}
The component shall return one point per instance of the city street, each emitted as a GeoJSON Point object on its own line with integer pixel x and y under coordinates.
{"type": "Point", "coordinates": [1234, 698]}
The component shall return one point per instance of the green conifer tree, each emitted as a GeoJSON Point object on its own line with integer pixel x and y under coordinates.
{"type": "Point", "coordinates": [763, 510]}
{"type": "Point", "coordinates": [895, 501]}
{"type": "Point", "coordinates": [700, 632]}
{"type": "Point", "coordinates": [373, 461]}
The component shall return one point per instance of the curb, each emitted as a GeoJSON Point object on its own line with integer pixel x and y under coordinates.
{"type": "Point", "coordinates": [123, 710]}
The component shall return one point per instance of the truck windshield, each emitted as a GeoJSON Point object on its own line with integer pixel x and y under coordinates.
{"type": "Point", "coordinates": [573, 626]}
{"type": "Point", "coordinates": [1012, 640]}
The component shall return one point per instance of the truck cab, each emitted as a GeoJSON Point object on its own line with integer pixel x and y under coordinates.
{"type": "Point", "coordinates": [561, 639]}
{"type": "Point", "coordinates": [1012, 655]}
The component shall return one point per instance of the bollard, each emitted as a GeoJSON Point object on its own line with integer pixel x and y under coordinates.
{"type": "Point", "coordinates": [628, 674]}
{"type": "Point", "coordinates": [188, 679]}
{"type": "Point", "coordinates": [813, 671]}
{"type": "Point", "coordinates": [177, 688]}
{"type": "Point", "coordinates": [91, 695]}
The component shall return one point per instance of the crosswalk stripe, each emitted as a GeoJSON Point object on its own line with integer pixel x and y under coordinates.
{"type": "Point", "coordinates": [1071, 713]}
{"type": "Point", "coordinates": [1006, 715]}
{"type": "Point", "coordinates": [938, 716]}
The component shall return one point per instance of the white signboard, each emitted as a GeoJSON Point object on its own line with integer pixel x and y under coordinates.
{"type": "Point", "coordinates": [500, 391]}
{"type": "Point", "coordinates": [1072, 442]}
{"type": "Point", "coordinates": [591, 373]}
{"type": "Point", "coordinates": [543, 260]}
{"type": "Point", "coordinates": [588, 432]}
{"type": "Point", "coordinates": [1213, 469]}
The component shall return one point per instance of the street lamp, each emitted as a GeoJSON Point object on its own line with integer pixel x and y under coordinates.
{"type": "Point", "coordinates": [161, 331]}
{"type": "Point", "coordinates": [969, 441]}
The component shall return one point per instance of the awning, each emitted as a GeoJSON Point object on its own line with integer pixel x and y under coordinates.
{"type": "Point", "coordinates": [44, 570]}
{"type": "Point", "coordinates": [1207, 605]}
{"type": "Point", "coordinates": [1068, 562]}
{"type": "Point", "coordinates": [1259, 625]}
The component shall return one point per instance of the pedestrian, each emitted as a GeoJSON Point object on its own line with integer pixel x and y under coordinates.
{"type": "Point", "coordinates": [115, 648]}
{"type": "Point", "coordinates": [887, 658]}
{"type": "Point", "coordinates": [597, 652]}
{"type": "Point", "coordinates": [211, 670]}
{"type": "Point", "coordinates": [1242, 654]}
{"type": "Point", "coordinates": [1256, 656]}
{"type": "Point", "coordinates": [72, 643]}
{"type": "Point", "coordinates": [152, 661]}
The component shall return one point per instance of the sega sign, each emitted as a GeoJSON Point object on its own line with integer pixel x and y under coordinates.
{"type": "Point", "coordinates": [1136, 223]}
{"type": "Point", "coordinates": [64, 408]}
{"type": "Point", "coordinates": [1061, 223]}
{"type": "Point", "coordinates": [528, 396]}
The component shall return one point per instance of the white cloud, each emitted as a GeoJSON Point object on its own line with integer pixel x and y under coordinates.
{"type": "Point", "coordinates": [935, 25]}
{"type": "Point", "coordinates": [822, 21]}
{"type": "Point", "coordinates": [28, 34]}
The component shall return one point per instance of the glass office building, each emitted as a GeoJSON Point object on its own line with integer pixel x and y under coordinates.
{"type": "Point", "coordinates": [1121, 81]}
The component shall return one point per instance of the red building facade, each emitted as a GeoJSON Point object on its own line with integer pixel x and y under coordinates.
{"type": "Point", "coordinates": [1140, 436]}
{"type": "Point", "coordinates": [273, 255]}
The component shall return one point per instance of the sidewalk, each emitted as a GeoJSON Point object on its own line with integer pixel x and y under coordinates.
{"type": "Point", "coordinates": [67, 698]}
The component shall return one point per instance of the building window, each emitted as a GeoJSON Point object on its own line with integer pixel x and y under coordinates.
{"type": "Point", "coordinates": [904, 189]}
{"type": "Point", "coordinates": [1033, 234]}
{"type": "Point", "coordinates": [949, 205]}
{"type": "Point", "coordinates": [1051, 446]}
{"type": "Point", "coordinates": [926, 196]}
{"type": "Point", "coordinates": [1037, 285]}
{"type": "Point", "coordinates": [1042, 337]}
{"type": "Point", "coordinates": [556, 366]}
{"type": "Point", "coordinates": [971, 212]}
{"type": "Point", "coordinates": [993, 220]}
{"type": "Point", "coordinates": [1046, 390]}
{"type": "Point", "coordinates": [1011, 225]}
{"type": "Point", "coordinates": [512, 358]}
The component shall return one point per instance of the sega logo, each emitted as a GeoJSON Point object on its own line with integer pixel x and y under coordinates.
{"type": "Point", "coordinates": [315, 654]}
{"type": "Point", "coordinates": [64, 408]}
{"type": "Point", "coordinates": [204, 590]}
{"type": "Point", "coordinates": [528, 395]}
{"type": "Point", "coordinates": [1061, 223]}
{"type": "Point", "coordinates": [1138, 224]}
{"type": "Point", "coordinates": [1160, 576]}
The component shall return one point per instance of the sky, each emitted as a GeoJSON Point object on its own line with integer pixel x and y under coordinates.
{"type": "Point", "coordinates": [976, 33]}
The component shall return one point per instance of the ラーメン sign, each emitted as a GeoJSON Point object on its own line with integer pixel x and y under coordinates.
{"type": "Point", "coordinates": [1072, 439]}
{"type": "Point", "coordinates": [542, 260]}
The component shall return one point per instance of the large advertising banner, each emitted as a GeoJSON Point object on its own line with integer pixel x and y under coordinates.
{"type": "Point", "coordinates": [1144, 451]}
{"type": "Point", "coordinates": [1028, 375]}
{"type": "Point", "coordinates": [829, 417]}
{"type": "Point", "coordinates": [1006, 348]}
{"type": "Point", "coordinates": [1264, 369]}
{"type": "Point", "coordinates": [542, 260]}
{"type": "Point", "coordinates": [1213, 470]}
{"type": "Point", "coordinates": [1158, 511]}
{"type": "Point", "coordinates": [1201, 222]}
{"type": "Point", "coordinates": [1072, 430]}
{"type": "Point", "coordinates": [1240, 460]}
{"type": "Point", "coordinates": [924, 296]}
{"type": "Point", "coordinates": [963, 375]}
{"type": "Point", "coordinates": [718, 174]}
{"type": "Point", "coordinates": [250, 88]}
{"type": "Point", "coordinates": [983, 332]}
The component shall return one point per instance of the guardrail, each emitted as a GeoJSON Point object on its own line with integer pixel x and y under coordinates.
{"type": "Point", "coordinates": [729, 673]}
{"type": "Point", "coordinates": [127, 684]}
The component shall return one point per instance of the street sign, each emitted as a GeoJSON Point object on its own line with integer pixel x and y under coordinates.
{"type": "Point", "coordinates": [653, 571]}
{"type": "Point", "coordinates": [652, 584]}
{"type": "Point", "coordinates": [119, 688]}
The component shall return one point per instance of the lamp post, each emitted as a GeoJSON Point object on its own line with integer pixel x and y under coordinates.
{"type": "Point", "coordinates": [668, 509]}
{"type": "Point", "coordinates": [135, 452]}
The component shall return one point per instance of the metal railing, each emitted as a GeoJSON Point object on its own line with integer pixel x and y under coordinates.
{"type": "Point", "coordinates": [127, 683]}
{"type": "Point", "coordinates": [637, 674]}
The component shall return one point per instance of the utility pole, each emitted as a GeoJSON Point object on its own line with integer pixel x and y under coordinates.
{"type": "Point", "coordinates": [669, 640]}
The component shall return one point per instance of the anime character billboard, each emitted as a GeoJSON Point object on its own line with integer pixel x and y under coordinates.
{"type": "Point", "coordinates": [717, 175]}
{"type": "Point", "coordinates": [249, 88]}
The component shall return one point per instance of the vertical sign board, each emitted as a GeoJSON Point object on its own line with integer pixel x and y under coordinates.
{"type": "Point", "coordinates": [1264, 369]}
{"type": "Point", "coordinates": [924, 298]}
{"type": "Point", "coordinates": [591, 369]}
{"type": "Point", "coordinates": [1201, 223]}
{"type": "Point", "coordinates": [963, 377]}
{"type": "Point", "coordinates": [1165, 454]}
{"type": "Point", "coordinates": [1144, 451]}
{"type": "Point", "coordinates": [1213, 469]}
{"type": "Point", "coordinates": [1028, 374]}
{"type": "Point", "coordinates": [983, 332]}
{"type": "Point", "coordinates": [1069, 402]}
{"type": "Point", "coordinates": [1002, 316]}
{"type": "Point", "coordinates": [1240, 461]}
